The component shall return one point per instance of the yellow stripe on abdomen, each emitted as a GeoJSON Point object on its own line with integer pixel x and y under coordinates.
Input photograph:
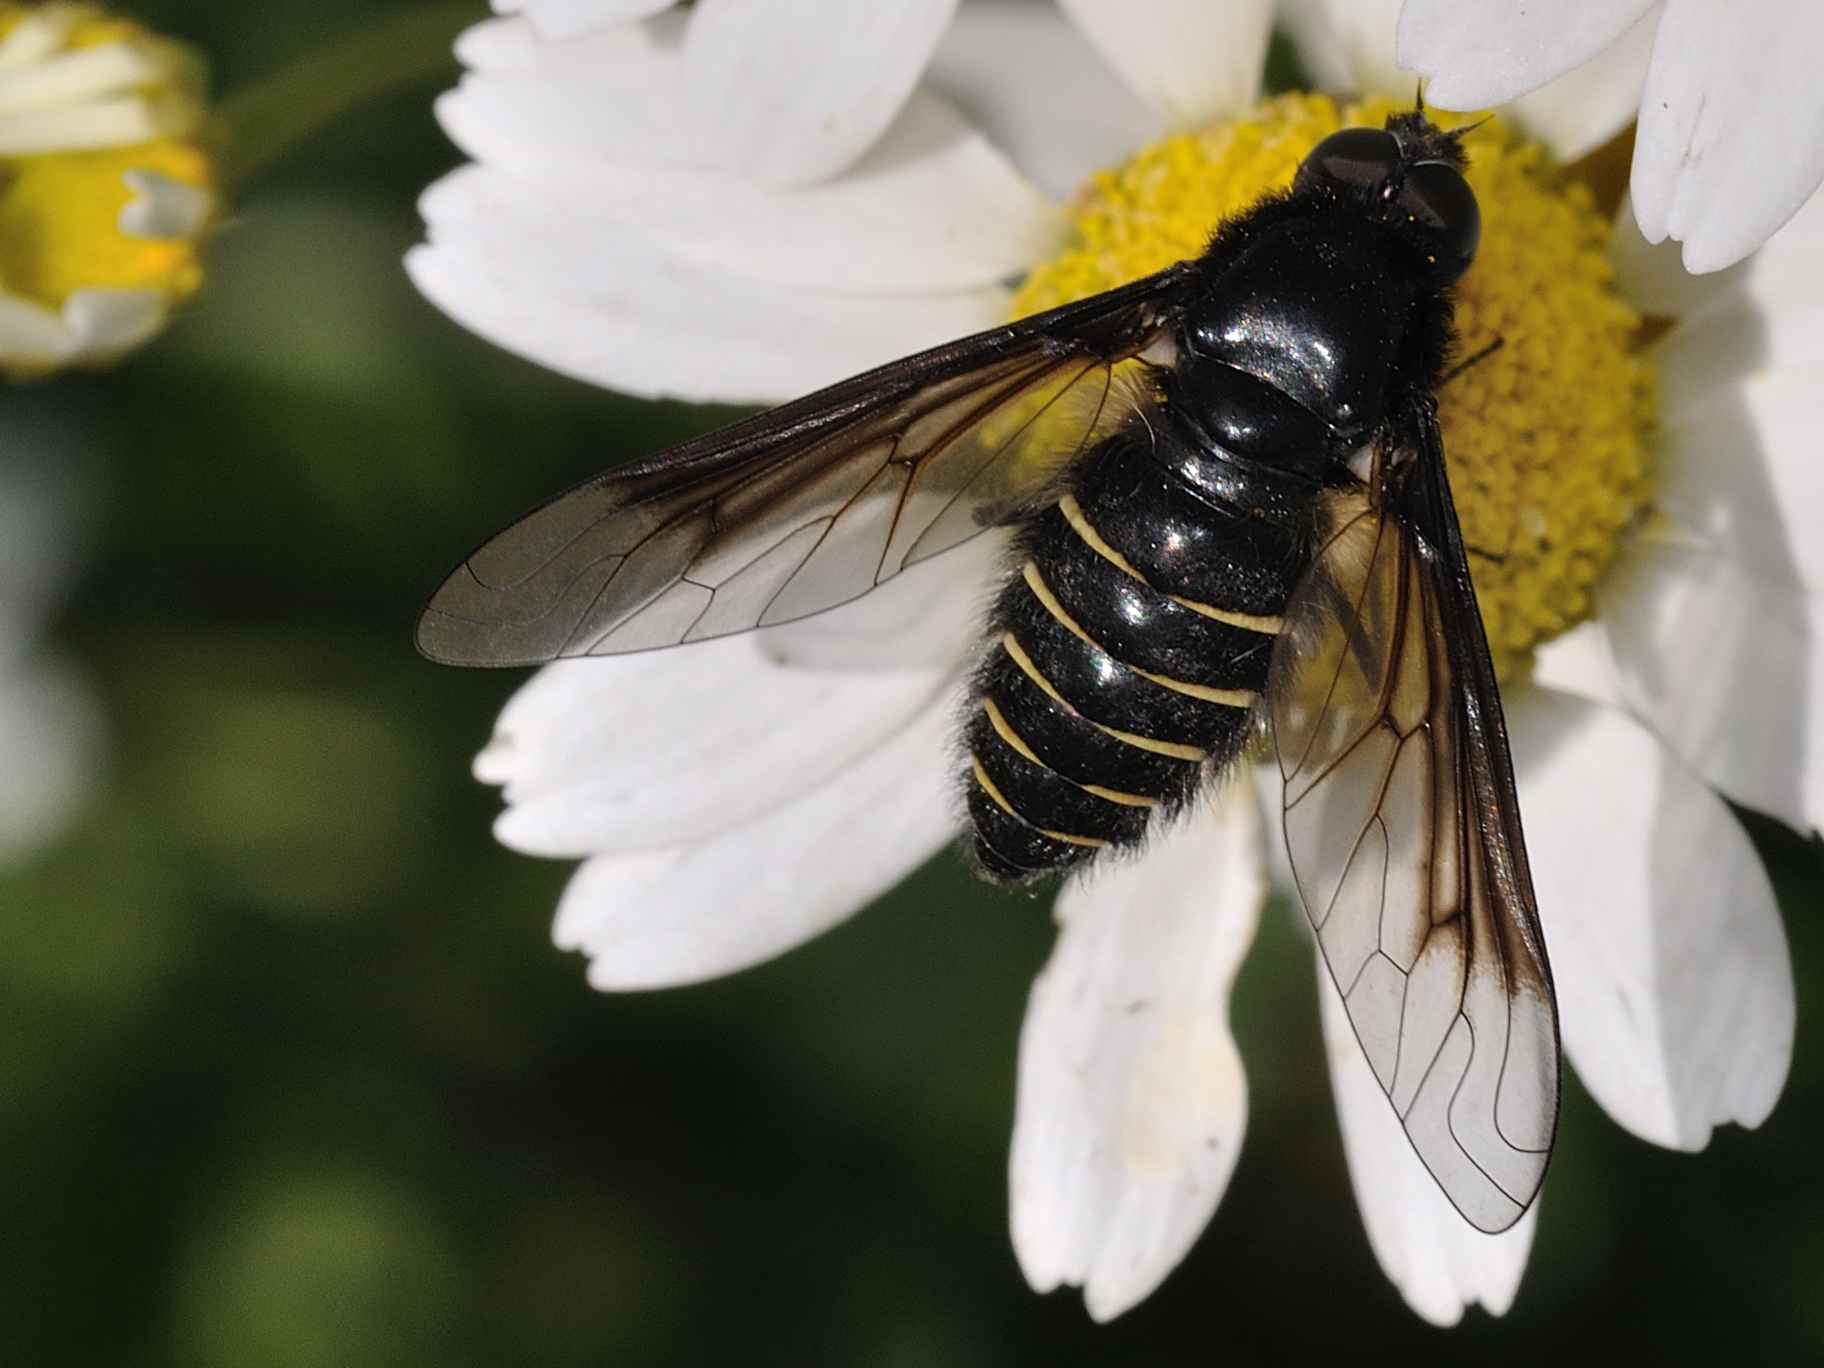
{"type": "Point", "coordinates": [1000, 801]}
{"type": "Point", "coordinates": [1081, 525]}
{"type": "Point", "coordinates": [1035, 581]}
{"type": "Point", "coordinates": [1004, 729]}
{"type": "Point", "coordinates": [1176, 750]}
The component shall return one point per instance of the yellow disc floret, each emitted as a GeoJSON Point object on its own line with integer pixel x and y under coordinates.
{"type": "Point", "coordinates": [60, 223]}
{"type": "Point", "coordinates": [1545, 437]}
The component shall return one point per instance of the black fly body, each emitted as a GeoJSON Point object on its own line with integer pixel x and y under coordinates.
{"type": "Point", "coordinates": [1262, 535]}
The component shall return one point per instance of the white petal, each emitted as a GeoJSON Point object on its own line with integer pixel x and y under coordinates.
{"type": "Point", "coordinates": [36, 34]}
{"type": "Point", "coordinates": [31, 334]}
{"type": "Point", "coordinates": [114, 122]}
{"type": "Point", "coordinates": [507, 45]}
{"type": "Point", "coordinates": [1191, 59]}
{"type": "Point", "coordinates": [1478, 53]}
{"type": "Point", "coordinates": [794, 90]}
{"type": "Point", "coordinates": [1438, 1261]}
{"type": "Point", "coordinates": [81, 74]}
{"type": "Point", "coordinates": [107, 322]}
{"type": "Point", "coordinates": [1652, 278]}
{"type": "Point", "coordinates": [1131, 1096]}
{"type": "Point", "coordinates": [680, 916]}
{"type": "Point", "coordinates": [614, 313]}
{"type": "Point", "coordinates": [1738, 465]}
{"type": "Point", "coordinates": [1348, 44]}
{"type": "Point", "coordinates": [1731, 141]}
{"type": "Point", "coordinates": [1787, 267]}
{"type": "Point", "coordinates": [163, 208]}
{"type": "Point", "coordinates": [1270, 790]}
{"type": "Point", "coordinates": [927, 617]}
{"type": "Point", "coordinates": [94, 325]}
{"type": "Point", "coordinates": [567, 18]}
{"type": "Point", "coordinates": [1727, 667]}
{"type": "Point", "coordinates": [1673, 980]}
{"type": "Point", "coordinates": [932, 207]}
{"type": "Point", "coordinates": [1763, 313]}
{"type": "Point", "coordinates": [1057, 128]}
{"type": "Point", "coordinates": [1580, 662]}
{"type": "Point", "coordinates": [608, 96]}
{"type": "Point", "coordinates": [647, 751]}
{"type": "Point", "coordinates": [1582, 109]}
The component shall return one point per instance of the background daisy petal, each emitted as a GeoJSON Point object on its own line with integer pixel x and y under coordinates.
{"type": "Point", "coordinates": [1723, 78]}
{"type": "Point", "coordinates": [1673, 978]}
{"type": "Point", "coordinates": [1131, 1097]}
{"type": "Point", "coordinates": [1439, 1263]}
{"type": "Point", "coordinates": [794, 90]}
{"type": "Point", "coordinates": [1081, 116]}
{"type": "Point", "coordinates": [1478, 53]}
{"type": "Point", "coordinates": [1190, 59]}
{"type": "Point", "coordinates": [642, 752]}
{"type": "Point", "coordinates": [670, 917]}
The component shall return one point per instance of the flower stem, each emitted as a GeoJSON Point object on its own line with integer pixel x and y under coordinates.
{"type": "Point", "coordinates": [269, 117]}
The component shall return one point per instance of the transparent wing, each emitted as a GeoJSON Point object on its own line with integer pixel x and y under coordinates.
{"type": "Point", "coordinates": [1404, 835]}
{"type": "Point", "coordinates": [805, 506]}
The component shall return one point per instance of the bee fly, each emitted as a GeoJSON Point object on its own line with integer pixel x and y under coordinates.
{"type": "Point", "coordinates": [1256, 532]}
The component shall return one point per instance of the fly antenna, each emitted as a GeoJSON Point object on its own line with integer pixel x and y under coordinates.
{"type": "Point", "coordinates": [1458, 134]}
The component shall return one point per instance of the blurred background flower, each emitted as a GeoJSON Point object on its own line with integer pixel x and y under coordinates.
{"type": "Point", "coordinates": [103, 196]}
{"type": "Point", "coordinates": [291, 1076]}
{"type": "Point", "coordinates": [105, 190]}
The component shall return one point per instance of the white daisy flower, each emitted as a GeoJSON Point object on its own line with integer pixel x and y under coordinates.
{"type": "Point", "coordinates": [595, 237]}
{"type": "Point", "coordinates": [1731, 137]}
{"type": "Point", "coordinates": [103, 192]}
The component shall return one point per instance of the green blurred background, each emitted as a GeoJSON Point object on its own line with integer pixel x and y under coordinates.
{"type": "Point", "coordinates": [291, 1075]}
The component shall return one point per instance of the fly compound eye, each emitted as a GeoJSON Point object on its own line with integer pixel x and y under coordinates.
{"type": "Point", "coordinates": [1358, 157]}
{"type": "Point", "coordinates": [1438, 199]}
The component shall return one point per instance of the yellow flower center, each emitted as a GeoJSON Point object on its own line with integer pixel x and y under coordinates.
{"type": "Point", "coordinates": [60, 218]}
{"type": "Point", "coordinates": [1546, 437]}
{"type": "Point", "coordinates": [79, 168]}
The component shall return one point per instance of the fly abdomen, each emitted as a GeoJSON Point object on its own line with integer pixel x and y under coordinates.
{"type": "Point", "coordinates": [1127, 652]}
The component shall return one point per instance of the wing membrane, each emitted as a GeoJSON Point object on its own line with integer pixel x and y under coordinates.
{"type": "Point", "coordinates": [806, 506]}
{"type": "Point", "coordinates": [1403, 830]}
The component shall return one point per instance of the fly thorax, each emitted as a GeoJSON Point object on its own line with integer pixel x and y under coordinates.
{"type": "Point", "coordinates": [1314, 313]}
{"type": "Point", "coordinates": [1235, 415]}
